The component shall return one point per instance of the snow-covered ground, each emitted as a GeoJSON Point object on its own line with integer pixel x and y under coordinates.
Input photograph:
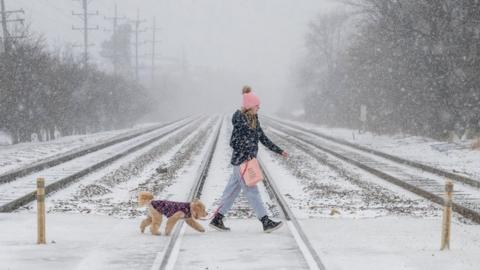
{"type": "Point", "coordinates": [375, 225]}
{"type": "Point", "coordinates": [18, 155]}
{"type": "Point", "coordinates": [464, 195]}
{"type": "Point", "coordinates": [93, 224]}
{"type": "Point", "coordinates": [314, 189]}
{"type": "Point", "coordinates": [26, 184]}
{"type": "Point", "coordinates": [393, 243]}
{"type": "Point", "coordinates": [457, 157]}
{"type": "Point", "coordinates": [246, 246]}
{"type": "Point", "coordinates": [112, 190]}
{"type": "Point", "coordinates": [75, 241]}
{"type": "Point", "coordinates": [90, 235]}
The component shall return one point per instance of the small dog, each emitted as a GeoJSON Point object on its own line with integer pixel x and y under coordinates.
{"type": "Point", "coordinates": [173, 211]}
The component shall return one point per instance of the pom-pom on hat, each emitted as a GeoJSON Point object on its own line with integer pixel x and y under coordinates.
{"type": "Point", "coordinates": [250, 100]}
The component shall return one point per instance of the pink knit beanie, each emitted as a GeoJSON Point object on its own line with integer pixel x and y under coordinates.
{"type": "Point", "coordinates": [250, 100]}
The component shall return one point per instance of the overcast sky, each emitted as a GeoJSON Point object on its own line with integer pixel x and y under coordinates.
{"type": "Point", "coordinates": [257, 40]}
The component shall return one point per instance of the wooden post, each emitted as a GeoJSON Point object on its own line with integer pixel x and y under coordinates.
{"type": "Point", "coordinates": [41, 211]}
{"type": "Point", "coordinates": [447, 215]}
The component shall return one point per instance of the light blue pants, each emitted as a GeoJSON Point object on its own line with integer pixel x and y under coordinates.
{"type": "Point", "coordinates": [234, 185]}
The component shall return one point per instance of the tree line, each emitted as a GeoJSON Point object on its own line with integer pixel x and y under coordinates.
{"type": "Point", "coordinates": [45, 93]}
{"type": "Point", "coordinates": [414, 65]}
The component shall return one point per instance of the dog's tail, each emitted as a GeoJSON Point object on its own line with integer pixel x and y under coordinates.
{"type": "Point", "coordinates": [144, 197]}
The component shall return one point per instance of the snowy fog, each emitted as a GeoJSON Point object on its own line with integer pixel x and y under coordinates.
{"type": "Point", "coordinates": [118, 114]}
{"type": "Point", "coordinates": [381, 66]}
{"type": "Point", "coordinates": [207, 50]}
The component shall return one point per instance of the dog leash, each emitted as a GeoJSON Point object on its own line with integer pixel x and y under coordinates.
{"type": "Point", "coordinates": [214, 213]}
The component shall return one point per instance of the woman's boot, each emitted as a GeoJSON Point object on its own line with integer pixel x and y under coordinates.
{"type": "Point", "coordinates": [217, 223]}
{"type": "Point", "coordinates": [270, 225]}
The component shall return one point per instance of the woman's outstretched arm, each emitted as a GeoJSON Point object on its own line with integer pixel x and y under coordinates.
{"type": "Point", "coordinates": [267, 142]}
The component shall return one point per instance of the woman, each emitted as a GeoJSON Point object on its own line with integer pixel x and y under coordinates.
{"type": "Point", "coordinates": [244, 141]}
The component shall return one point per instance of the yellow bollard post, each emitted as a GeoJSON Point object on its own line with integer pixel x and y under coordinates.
{"type": "Point", "coordinates": [447, 216]}
{"type": "Point", "coordinates": [41, 211]}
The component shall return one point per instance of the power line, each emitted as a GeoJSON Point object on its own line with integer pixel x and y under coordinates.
{"type": "Point", "coordinates": [114, 20]}
{"type": "Point", "coordinates": [154, 45]}
{"type": "Point", "coordinates": [137, 24]}
{"type": "Point", "coordinates": [85, 15]}
{"type": "Point", "coordinates": [7, 37]}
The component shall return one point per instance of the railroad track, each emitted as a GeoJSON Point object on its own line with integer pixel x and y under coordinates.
{"type": "Point", "coordinates": [62, 158]}
{"type": "Point", "coordinates": [424, 183]}
{"type": "Point", "coordinates": [167, 258]}
{"type": "Point", "coordinates": [21, 191]}
{"type": "Point", "coordinates": [308, 251]}
{"type": "Point", "coordinates": [459, 178]}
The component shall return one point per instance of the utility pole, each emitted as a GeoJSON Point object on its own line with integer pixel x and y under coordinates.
{"type": "Point", "coordinates": [154, 43]}
{"type": "Point", "coordinates": [115, 19]}
{"type": "Point", "coordinates": [6, 35]}
{"type": "Point", "coordinates": [4, 27]}
{"type": "Point", "coordinates": [85, 29]}
{"type": "Point", "coordinates": [137, 23]}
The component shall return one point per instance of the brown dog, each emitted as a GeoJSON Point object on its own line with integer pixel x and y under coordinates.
{"type": "Point", "coordinates": [173, 210]}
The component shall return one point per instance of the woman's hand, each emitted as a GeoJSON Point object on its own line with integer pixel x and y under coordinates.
{"type": "Point", "coordinates": [284, 154]}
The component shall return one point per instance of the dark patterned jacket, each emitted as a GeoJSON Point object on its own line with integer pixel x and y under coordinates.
{"type": "Point", "coordinates": [244, 140]}
{"type": "Point", "coordinates": [168, 208]}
